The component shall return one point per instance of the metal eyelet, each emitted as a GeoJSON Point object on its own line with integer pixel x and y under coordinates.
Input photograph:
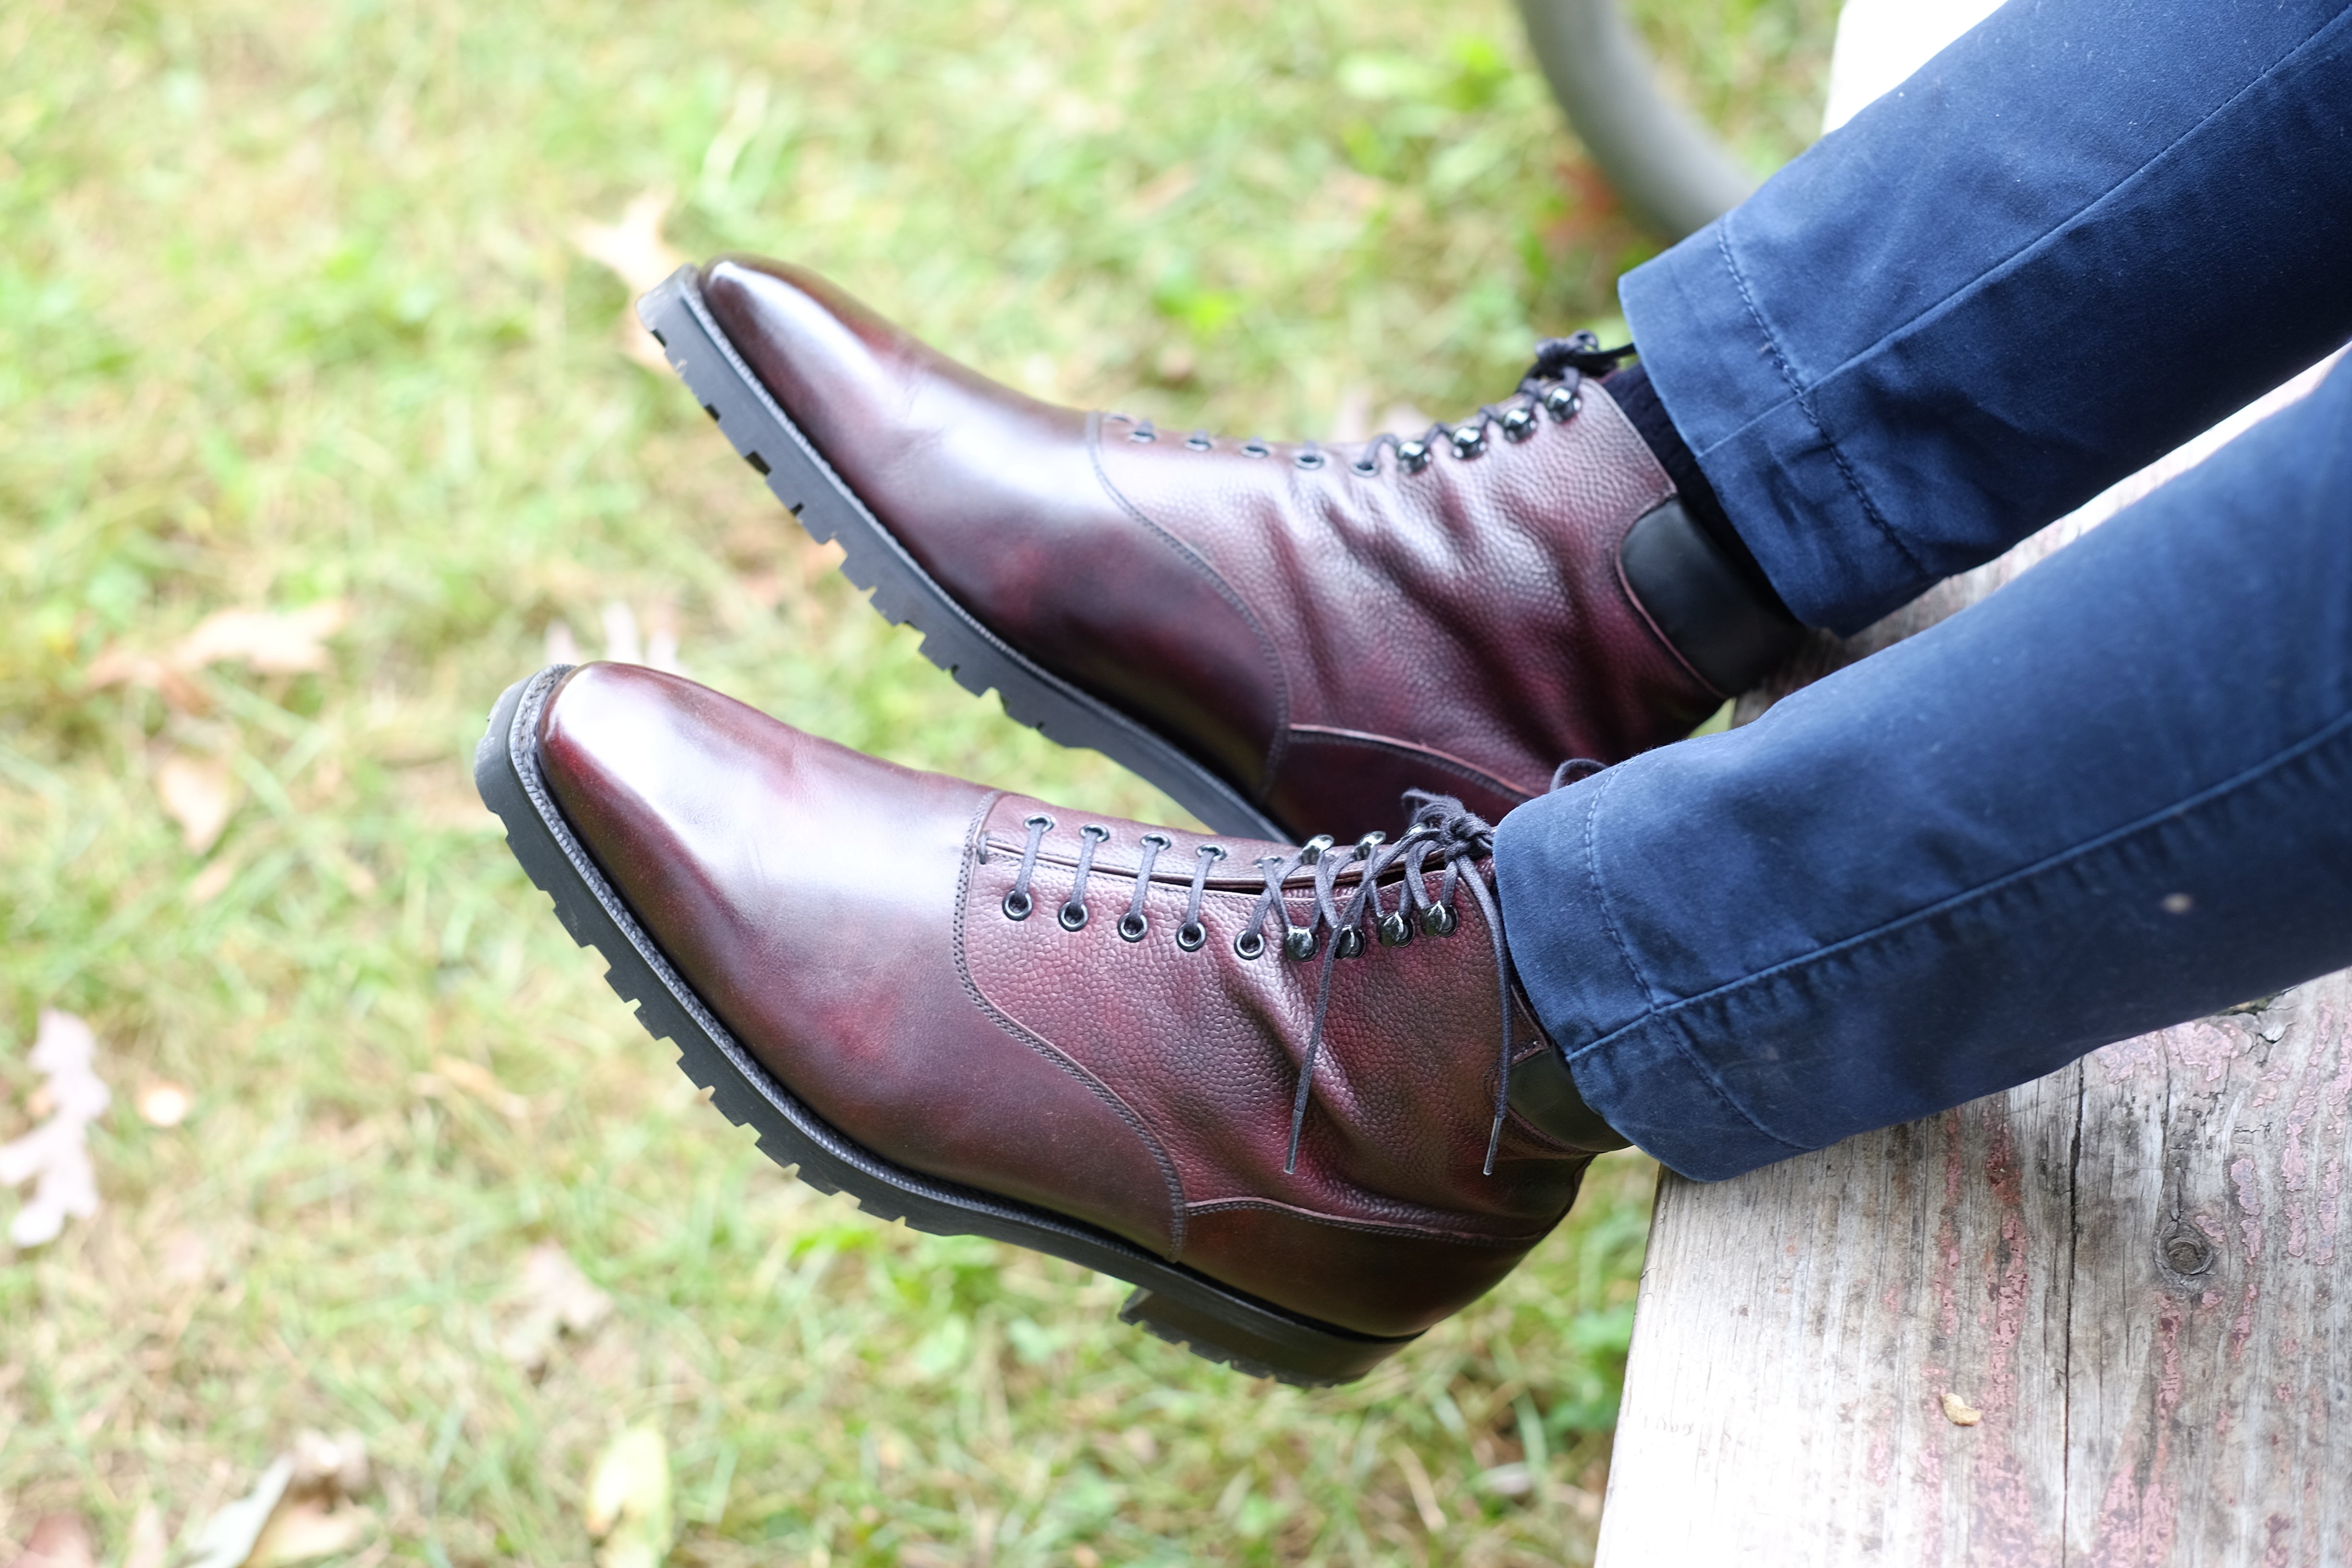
{"type": "Point", "coordinates": [1351, 944]}
{"type": "Point", "coordinates": [1249, 944]}
{"type": "Point", "coordinates": [1192, 935]}
{"type": "Point", "coordinates": [1143, 434]}
{"type": "Point", "coordinates": [1470, 440]}
{"type": "Point", "coordinates": [1131, 928]}
{"type": "Point", "coordinates": [1199, 441]}
{"type": "Point", "coordinates": [1518, 424]}
{"type": "Point", "coordinates": [1308, 460]}
{"type": "Point", "coordinates": [1395, 930]}
{"type": "Point", "coordinates": [1312, 851]}
{"type": "Point", "coordinates": [1367, 466]}
{"type": "Point", "coordinates": [1018, 905]}
{"type": "Point", "coordinates": [1561, 403]}
{"type": "Point", "coordinates": [1413, 457]}
{"type": "Point", "coordinates": [1439, 919]}
{"type": "Point", "coordinates": [1073, 916]}
{"type": "Point", "coordinates": [1368, 843]}
{"type": "Point", "coordinates": [1254, 448]}
{"type": "Point", "coordinates": [1299, 942]}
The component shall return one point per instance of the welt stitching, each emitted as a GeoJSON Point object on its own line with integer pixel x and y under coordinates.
{"type": "Point", "coordinates": [1046, 1049]}
{"type": "Point", "coordinates": [1225, 591]}
{"type": "Point", "coordinates": [2334, 730]}
{"type": "Point", "coordinates": [1805, 404]}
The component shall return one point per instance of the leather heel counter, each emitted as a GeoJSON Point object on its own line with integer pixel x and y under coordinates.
{"type": "Point", "coordinates": [1700, 602]}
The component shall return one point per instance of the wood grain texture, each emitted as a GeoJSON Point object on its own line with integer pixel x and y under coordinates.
{"type": "Point", "coordinates": [2135, 1274]}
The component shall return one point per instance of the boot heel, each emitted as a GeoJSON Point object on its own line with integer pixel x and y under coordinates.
{"type": "Point", "coordinates": [1251, 1338]}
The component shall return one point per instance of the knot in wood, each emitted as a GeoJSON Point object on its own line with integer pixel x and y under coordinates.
{"type": "Point", "coordinates": [2185, 1251]}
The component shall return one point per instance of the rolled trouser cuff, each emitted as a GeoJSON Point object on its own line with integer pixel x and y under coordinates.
{"type": "Point", "coordinates": [1637, 1069]}
{"type": "Point", "coordinates": [1733, 395]}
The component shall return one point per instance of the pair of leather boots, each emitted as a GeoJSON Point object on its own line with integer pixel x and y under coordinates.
{"type": "Point", "coordinates": [1278, 1075]}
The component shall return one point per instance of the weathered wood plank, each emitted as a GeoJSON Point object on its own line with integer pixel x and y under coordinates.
{"type": "Point", "coordinates": [2136, 1273]}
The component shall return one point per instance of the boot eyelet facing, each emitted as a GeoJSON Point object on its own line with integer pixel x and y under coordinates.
{"type": "Point", "coordinates": [1191, 936]}
{"type": "Point", "coordinates": [1249, 944]}
{"type": "Point", "coordinates": [1199, 441]}
{"type": "Point", "coordinates": [1308, 460]}
{"type": "Point", "coordinates": [1518, 424]}
{"type": "Point", "coordinates": [1131, 928]}
{"type": "Point", "coordinates": [1018, 905]}
{"type": "Point", "coordinates": [1299, 942]}
{"type": "Point", "coordinates": [1561, 403]}
{"type": "Point", "coordinates": [1413, 457]}
{"type": "Point", "coordinates": [1438, 919]}
{"type": "Point", "coordinates": [1073, 916]}
{"type": "Point", "coordinates": [1351, 942]}
{"type": "Point", "coordinates": [1254, 448]}
{"type": "Point", "coordinates": [1469, 441]}
{"type": "Point", "coordinates": [1395, 930]}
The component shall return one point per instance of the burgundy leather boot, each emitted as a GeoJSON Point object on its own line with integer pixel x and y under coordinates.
{"type": "Point", "coordinates": [1291, 1093]}
{"type": "Point", "coordinates": [1283, 636]}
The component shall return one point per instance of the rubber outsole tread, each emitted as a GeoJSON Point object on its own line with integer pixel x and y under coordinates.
{"type": "Point", "coordinates": [1171, 1301]}
{"type": "Point", "coordinates": [903, 593]}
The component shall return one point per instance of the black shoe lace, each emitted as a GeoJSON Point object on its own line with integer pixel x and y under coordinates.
{"type": "Point", "coordinates": [1551, 384]}
{"type": "Point", "coordinates": [1443, 838]}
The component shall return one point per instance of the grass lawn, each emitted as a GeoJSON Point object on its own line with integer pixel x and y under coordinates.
{"type": "Point", "coordinates": [290, 312]}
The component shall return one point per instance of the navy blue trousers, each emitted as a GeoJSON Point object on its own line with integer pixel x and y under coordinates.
{"type": "Point", "coordinates": [2112, 796]}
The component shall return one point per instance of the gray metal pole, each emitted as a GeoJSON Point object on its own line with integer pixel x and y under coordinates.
{"type": "Point", "coordinates": [1664, 165]}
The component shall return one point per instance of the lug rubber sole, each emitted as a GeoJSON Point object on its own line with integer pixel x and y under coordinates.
{"type": "Point", "coordinates": [1177, 1304]}
{"type": "Point", "coordinates": [953, 638]}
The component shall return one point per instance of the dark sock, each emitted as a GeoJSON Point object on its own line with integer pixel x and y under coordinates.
{"type": "Point", "coordinates": [1632, 389]}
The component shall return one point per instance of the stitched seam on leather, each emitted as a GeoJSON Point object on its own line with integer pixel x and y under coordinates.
{"type": "Point", "coordinates": [1330, 735]}
{"type": "Point", "coordinates": [1805, 404]}
{"type": "Point", "coordinates": [1226, 591]}
{"type": "Point", "coordinates": [1608, 778]}
{"type": "Point", "coordinates": [1370, 1227]}
{"type": "Point", "coordinates": [1046, 1049]}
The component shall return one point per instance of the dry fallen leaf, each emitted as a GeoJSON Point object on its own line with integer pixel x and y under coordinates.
{"type": "Point", "coordinates": [275, 642]}
{"type": "Point", "coordinates": [209, 883]}
{"type": "Point", "coordinates": [163, 1103]}
{"type": "Point", "coordinates": [304, 1530]}
{"type": "Point", "coordinates": [198, 794]}
{"type": "Point", "coordinates": [477, 1080]}
{"type": "Point", "coordinates": [57, 1153]}
{"type": "Point", "coordinates": [628, 1509]}
{"type": "Point", "coordinates": [557, 1300]}
{"type": "Point", "coordinates": [299, 1509]}
{"type": "Point", "coordinates": [633, 248]}
{"type": "Point", "coordinates": [635, 253]}
{"type": "Point", "coordinates": [228, 1537]}
{"type": "Point", "coordinates": [148, 1546]}
{"type": "Point", "coordinates": [1960, 1411]}
{"type": "Point", "coordinates": [59, 1541]}
{"type": "Point", "coordinates": [336, 1466]}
